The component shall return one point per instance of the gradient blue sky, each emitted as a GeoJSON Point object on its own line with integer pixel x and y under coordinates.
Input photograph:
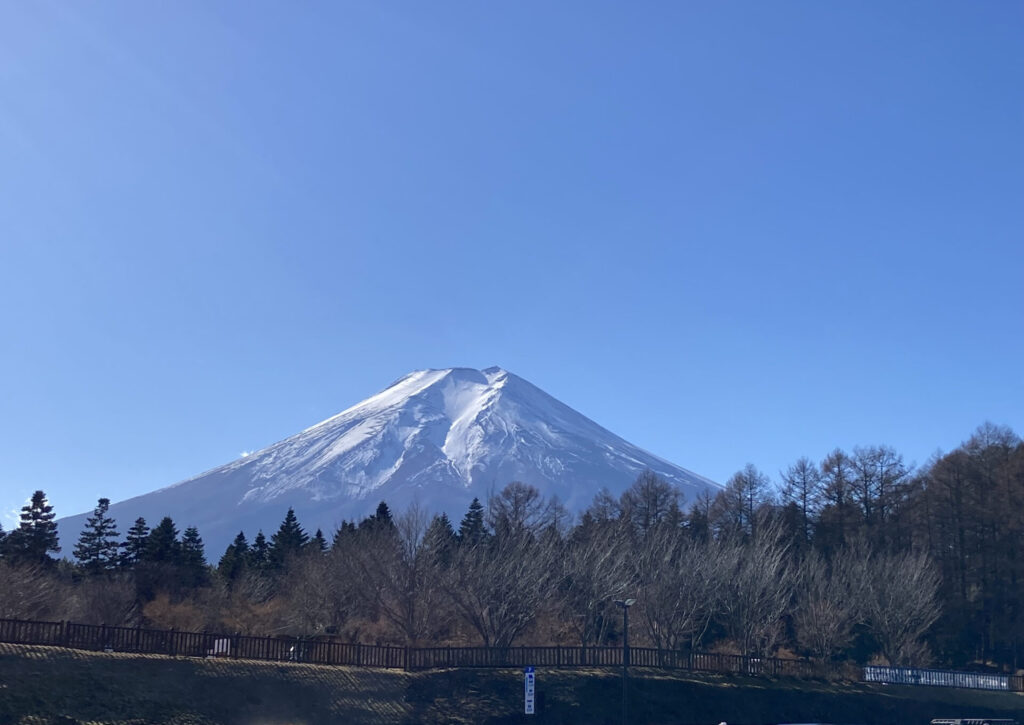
{"type": "Point", "coordinates": [727, 231]}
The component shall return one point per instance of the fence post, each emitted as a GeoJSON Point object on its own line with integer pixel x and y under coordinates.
{"type": "Point", "coordinates": [405, 659]}
{"type": "Point", "coordinates": [172, 646]}
{"type": "Point", "coordinates": [359, 654]}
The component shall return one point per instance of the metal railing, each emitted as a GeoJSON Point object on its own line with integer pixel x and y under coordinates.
{"type": "Point", "coordinates": [943, 678]}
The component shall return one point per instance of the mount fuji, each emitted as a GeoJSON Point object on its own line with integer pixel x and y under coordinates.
{"type": "Point", "coordinates": [438, 437]}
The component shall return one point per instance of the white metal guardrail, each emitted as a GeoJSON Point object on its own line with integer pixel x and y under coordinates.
{"type": "Point", "coordinates": [938, 678]}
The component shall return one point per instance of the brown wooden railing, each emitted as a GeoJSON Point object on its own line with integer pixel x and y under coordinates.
{"type": "Point", "coordinates": [331, 652]}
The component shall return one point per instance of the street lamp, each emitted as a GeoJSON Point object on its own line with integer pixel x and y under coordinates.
{"type": "Point", "coordinates": [625, 604]}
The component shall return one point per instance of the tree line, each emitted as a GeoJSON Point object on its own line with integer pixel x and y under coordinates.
{"type": "Point", "coordinates": [857, 557]}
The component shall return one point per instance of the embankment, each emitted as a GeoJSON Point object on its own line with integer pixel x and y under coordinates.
{"type": "Point", "coordinates": [52, 685]}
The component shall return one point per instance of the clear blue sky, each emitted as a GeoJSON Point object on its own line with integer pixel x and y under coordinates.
{"type": "Point", "coordinates": [727, 231]}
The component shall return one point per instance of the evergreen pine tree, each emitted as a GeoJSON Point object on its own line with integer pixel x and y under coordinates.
{"type": "Point", "coordinates": [383, 515]}
{"type": "Point", "coordinates": [381, 518]}
{"type": "Point", "coordinates": [193, 558]}
{"type": "Point", "coordinates": [159, 568]}
{"type": "Point", "coordinates": [97, 546]}
{"type": "Point", "coordinates": [134, 544]}
{"type": "Point", "coordinates": [259, 554]}
{"type": "Point", "coordinates": [471, 530]}
{"type": "Point", "coordinates": [162, 545]}
{"type": "Point", "coordinates": [36, 536]}
{"type": "Point", "coordinates": [318, 542]}
{"type": "Point", "coordinates": [697, 525]}
{"type": "Point", "coordinates": [3, 541]}
{"type": "Point", "coordinates": [12, 547]}
{"type": "Point", "coordinates": [288, 541]}
{"type": "Point", "coordinates": [344, 532]}
{"type": "Point", "coordinates": [241, 545]}
{"type": "Point", "coordinates": [440, 538]}
{"type": "Point", "coordinates": [235, 559]}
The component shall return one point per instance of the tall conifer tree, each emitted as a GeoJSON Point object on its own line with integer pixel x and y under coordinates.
{"type": "Point", "coordinates": [471, 530]}
{"type": "Point", "coordinates": [288, 541]}
{"type": "Point", "coordinates": [383, 515]}
{"type": "Point", "coordinates": [380, 519]}
{"type": "Point", "coordinates": [440, 539]}
{"type": "Point", "coordinates": [344, 533]}
{"type": "Point", "coordinates": [36, 536]}
{"type": "Point", "coordinates": [193, 558]}
{"type": "Point", "coordinates": [163, 546]}
{"type": "Point", "coordinates": [259, 554]}
{"type": "Point", "coordinates": [318, 542]}
{"type": "Point", "coordinates": [97, 546]}
{"type": "Point", "coordinates": [134, 544]}
{"type": "Point", "coordinates": [235, 559]}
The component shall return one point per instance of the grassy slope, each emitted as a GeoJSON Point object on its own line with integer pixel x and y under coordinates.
{"type": "Point", "coordinates": [47, 685]}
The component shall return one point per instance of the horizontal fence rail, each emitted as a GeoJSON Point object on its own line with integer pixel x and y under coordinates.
{"type": "Point", "coordinates": [331, 652]}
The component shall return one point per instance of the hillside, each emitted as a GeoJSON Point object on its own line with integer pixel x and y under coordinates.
{"type": "Point", "coordinates": [49, 685]}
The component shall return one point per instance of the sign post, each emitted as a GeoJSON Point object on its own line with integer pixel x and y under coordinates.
{"type": "Point", "coordinates": [530, 683]}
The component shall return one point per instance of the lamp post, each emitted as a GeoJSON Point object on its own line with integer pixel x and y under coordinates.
{"type": "Point", "coordinates": [625, 604]}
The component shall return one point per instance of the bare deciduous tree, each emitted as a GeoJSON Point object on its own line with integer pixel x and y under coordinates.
{"type": "Point", "coordinates": [498, 586]}
{"type": "Point", "coordinates": [758, 589]}
{"type": "Point", "coordinates": [735, 508]}
{"type": "Point", "coordinates": [520, 507]}
{"type": "Point", "coordinates": [829, 601]}
{"type": "Point", "coordinates": [878, 473]}
{"type": "Point", "coordinates": [648, 501]}
{"type": "Point", "coordinates": [318, 600]}
{"type": "Point", "coordinates": [900, 604]}
{"type": "Point", "coordinates": [839, 512]}
{"type": "Point", "coordinates": [801, 485]}
{"type": "Point", "coordinates": [594, 574]}
{"type": "Point", "coordinates": [605, 507]}
{"type": "Point", "coordinates": [104, 600]}
{"type": "Point", "coordinates": [397, 574]}
{"type": "Point", "coordinates": [680, 586]}
{"type": "Point", "coordinates": [28, 591]}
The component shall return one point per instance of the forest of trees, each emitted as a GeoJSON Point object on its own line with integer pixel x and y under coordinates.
{"type": "Point", "coordinates": [857, 557]}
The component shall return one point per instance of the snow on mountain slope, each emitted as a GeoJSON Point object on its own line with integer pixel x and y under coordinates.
{"type": "Point", "coordinates": [439, 437]}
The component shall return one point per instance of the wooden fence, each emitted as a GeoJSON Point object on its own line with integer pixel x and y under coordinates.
{"type": "Point", "coordinates": [331, 652]}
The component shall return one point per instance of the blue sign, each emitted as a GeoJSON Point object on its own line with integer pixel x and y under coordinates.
{"type": "Point", "coordinates": [530, 683]}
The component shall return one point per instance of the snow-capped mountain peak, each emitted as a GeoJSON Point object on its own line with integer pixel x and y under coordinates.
{"type": "Point", "coordinates": [439, 437]}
